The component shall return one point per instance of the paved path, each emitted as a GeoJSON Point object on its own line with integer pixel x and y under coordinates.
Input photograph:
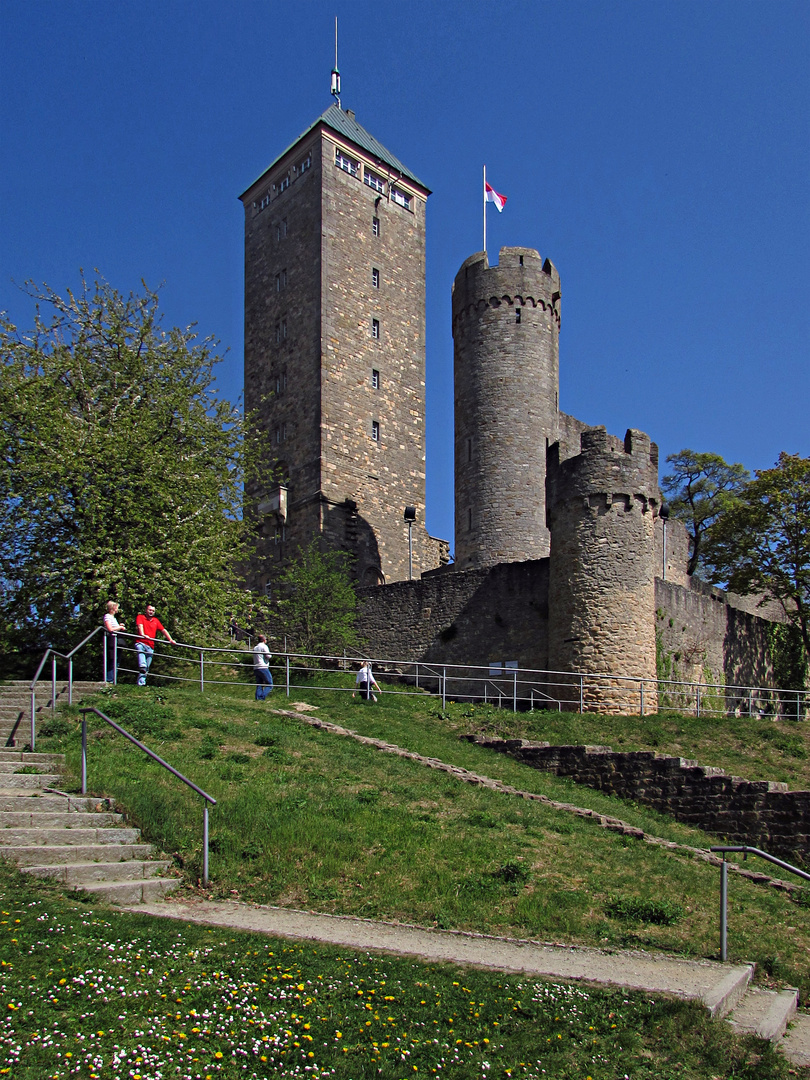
{"type": "Point", "coordinates": [717, 985]}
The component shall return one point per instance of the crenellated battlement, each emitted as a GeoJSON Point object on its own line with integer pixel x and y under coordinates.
{"type": "Point", "coordinates": [520, 277]}
{"type": "Point", "coordinates": [608, 469]}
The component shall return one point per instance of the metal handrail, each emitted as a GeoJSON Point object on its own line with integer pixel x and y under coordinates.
{"type": "Point", "coordinates": [533, 690]}
{"type": "Point", "coordinates": [155, 757]}
{"type": "Point", "coordinates": [53, 653]}
{"type": "Point", "coordinates": [746, 850]}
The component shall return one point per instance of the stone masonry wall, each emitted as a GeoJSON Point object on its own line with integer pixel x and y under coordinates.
{"type": "Point", "coordinates": [461, 617]}
{"type": "Point", "coordinates": [704, 636]}
{"type": "Point", "coordinates": [761, 813]}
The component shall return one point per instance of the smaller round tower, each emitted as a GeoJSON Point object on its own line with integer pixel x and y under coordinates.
{"type": "Point", "coordinates": [506, 322]}
{"type": "Point", "coordinates": [602, 506]}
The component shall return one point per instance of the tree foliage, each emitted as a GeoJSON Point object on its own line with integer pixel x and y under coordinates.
{"type": "Point", "coordinates": [317, 609]}
{"type": "Point", "coordinates": [761, 544]}
{"type": "Point", "coordinates": [119, 470]}
{"type": "Point", "coordinates": [700, 488]}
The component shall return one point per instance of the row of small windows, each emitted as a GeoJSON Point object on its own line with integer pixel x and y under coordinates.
{"type": "Point", "coordinates": [281, 185]}
{"type": "Point", "coordinates": [281, 330]}
{"type": "Point", "coordinates": [371, 179]}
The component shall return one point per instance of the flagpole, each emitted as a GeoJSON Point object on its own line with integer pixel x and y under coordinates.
{"type": "Point", "coordinates": [485, 209]}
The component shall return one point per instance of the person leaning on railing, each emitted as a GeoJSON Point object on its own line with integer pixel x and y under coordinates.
{"type": "Point", "coordinates": [147, 627]}
{"type": "Point", "coordinates": [111, 628]}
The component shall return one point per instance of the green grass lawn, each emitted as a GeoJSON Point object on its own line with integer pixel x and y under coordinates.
{"type": "Point", "coordinates": [90, 992]}
{"type": "Point", "coordinates": [314, 820]}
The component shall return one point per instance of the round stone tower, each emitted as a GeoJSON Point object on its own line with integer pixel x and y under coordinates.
{"type": "Point", "coordinates": [506, 322]}
{"type": "Point", "coordinates": [602, 506]}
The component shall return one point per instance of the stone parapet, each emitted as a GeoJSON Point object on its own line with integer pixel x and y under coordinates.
{"type": "Point", "coordinates": [761, 813]}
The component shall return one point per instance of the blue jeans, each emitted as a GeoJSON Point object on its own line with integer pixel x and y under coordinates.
{"type": "Point", "coordinates": [145, 654]}
{"type": "Point", "coordinates": [264, 682]}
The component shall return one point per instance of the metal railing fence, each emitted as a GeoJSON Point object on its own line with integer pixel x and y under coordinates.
{"type": "Point", "coordinates": [150, 753]}
{"type": "Point", "coordinates": [746, 851]}
{"type": "Point", "coordinates": [516, 688]}
{"type": "Point", "coordinates": [55, 655]}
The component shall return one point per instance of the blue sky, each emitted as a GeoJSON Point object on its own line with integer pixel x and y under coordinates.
{"type": "Point", "coordinates": [657, 151]}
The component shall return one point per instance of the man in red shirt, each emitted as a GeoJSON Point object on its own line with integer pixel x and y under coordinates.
{"type": "Point", "coordinates": [147, 626]}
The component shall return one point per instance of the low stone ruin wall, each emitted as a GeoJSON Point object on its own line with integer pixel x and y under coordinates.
{"type": "Point", "coordinates": [761, 813]}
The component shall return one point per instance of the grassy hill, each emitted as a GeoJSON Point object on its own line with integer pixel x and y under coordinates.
{"type": "Point", "coordinates": [313, 819]}
{"type": "Point", "coordinates": [310, 819]}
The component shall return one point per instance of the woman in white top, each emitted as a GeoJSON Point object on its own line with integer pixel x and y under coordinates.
{"type": "Point", "coordinates": [365, 680]}
{"type": "Point", "coordinates": [111, 628]}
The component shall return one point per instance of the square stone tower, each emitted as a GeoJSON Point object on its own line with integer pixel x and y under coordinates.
{"type": "Point", "coordinates": [335, 352]}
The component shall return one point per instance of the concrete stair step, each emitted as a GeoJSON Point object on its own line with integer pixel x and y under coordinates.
{"type": "Point", "coordinates": [132, 892]}
{"type": "Point", "coordinates": [764, 1013]}
{"type": "Point", "coordinates": [86, 872]}
{"type": "Point", "coordinates": [21, 757]}
{"type": "Point", "coordinates": [7, 767]}
{"type": "Point", "coordinates": [35, 837]}
{"type": "Point", "coordinates": [796, 1042]}
{"type": "Point", "coordinates": [40, 802]}
{"type": "Point", "coordinates": [10, 782]}
{"type": "Point", "coordinates": [44, 819]}
{"type": "Point", "coordinates": [35, 855]}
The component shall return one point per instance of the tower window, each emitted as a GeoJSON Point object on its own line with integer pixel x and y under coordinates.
{"type": "Point", "coordinates": [375, 430]}
{"type": "Point", "coordinates": [375, 328]}
{"type": "Point", "coordinates": [375, 226]}
{"type": "Point", "coordinates": [517, 314]}
{"type": "Point", "coordinates": [281, 280]}
{"type": "Point", "coordinates": [400, 198]}
{"type": "Point", "coordinates": [375, 379]}
{"type": "Point", "coordinates": [375, 182]}
{"type": "Point", "coordinates": [263, 202]}
{"type": "Point", "coordinates": [284, 184]}
{"type": "Point", "coordinates": [469, 449]}
{"type": "Point", "coordinates": [278, 332]}
{"type": "Point", "coordinates": [346, 163]}
{"type": "Point", "coordinates": [375, 277]}
{"type": "Point", "coordinates": [305, 164]}
{"type": "Point", "coordinates": [281, 434]}
{"type": "Point", "coordinates": [283, 329]}
{"type": "Point", "coordinates": [281, 229]}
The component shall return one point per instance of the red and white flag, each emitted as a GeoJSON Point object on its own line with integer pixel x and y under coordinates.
{"type": "Point", "coordinates": [491, 195]}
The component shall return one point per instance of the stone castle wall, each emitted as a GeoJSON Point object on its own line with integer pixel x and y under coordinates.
{"type": "Point", "coordinates": [501, 614]}
{"type": "Point", "coordinates": [760, 813]}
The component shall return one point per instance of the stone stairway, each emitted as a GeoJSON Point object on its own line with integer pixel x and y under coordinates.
{"type": "Point", "coordinates": [15, 706]}
{"type": "Point", "coordinates": [75, 839]}
{"type": "Point", "coordinates": [767, 1013]}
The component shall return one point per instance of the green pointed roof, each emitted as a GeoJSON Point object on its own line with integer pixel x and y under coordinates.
{"type": "Point", "coordinates": [345, 124]}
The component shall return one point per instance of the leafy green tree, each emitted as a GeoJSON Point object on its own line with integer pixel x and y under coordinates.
{"type": "Point", "coordinates": [120, 471]}
{"type": "Point", "coordinates": [699, 489]}
{"type": "Point", "coordinates": [317, 608]}
{"type": "Point", "coordinates": [762, 543]}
